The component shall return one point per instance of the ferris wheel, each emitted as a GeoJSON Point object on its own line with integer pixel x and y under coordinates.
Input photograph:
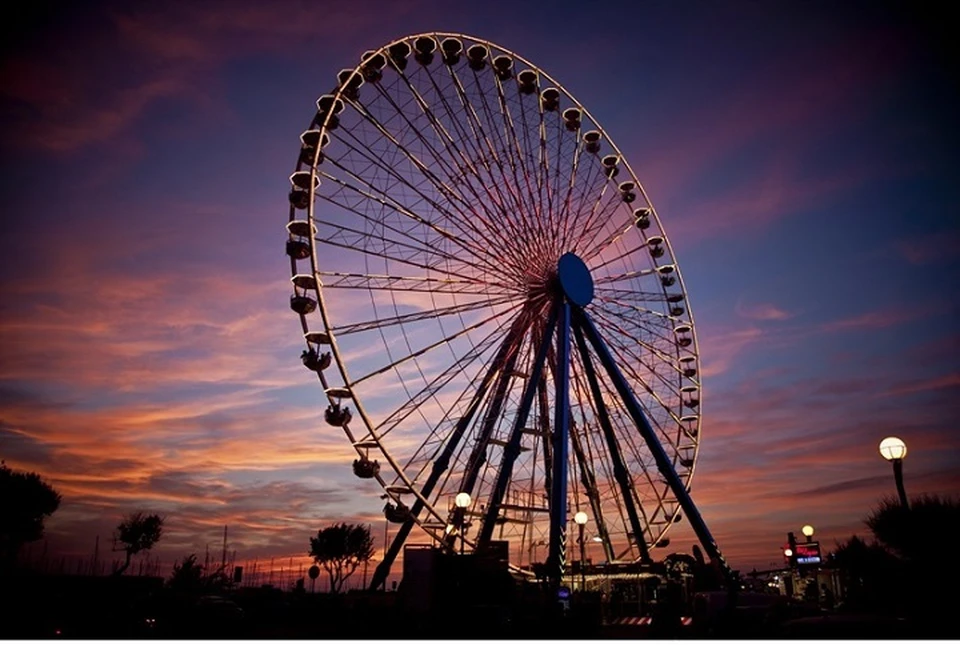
{"type": "Point", "coordinates": [492, 308]}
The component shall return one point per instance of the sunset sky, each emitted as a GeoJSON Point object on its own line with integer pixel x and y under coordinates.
{"type": "Point", "coordinates": [802, 157]}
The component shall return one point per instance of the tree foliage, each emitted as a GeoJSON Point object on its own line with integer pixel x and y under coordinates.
{"type": "Point", "coordinates": [340, 549]}
{"type": "Point", "coordinates": [904, 566]}
{"type": "Point", "coordinates": [25, 502]}
{"type": "Point", "coordinates": [907, 531]}
{"type": "Point", "coordinates": [190, 576]}
{"type": "Point", "coordinates": [137, 532]}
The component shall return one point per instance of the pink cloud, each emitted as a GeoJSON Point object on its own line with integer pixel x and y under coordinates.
{"type": "Point", "coordinates": [79, 97]}
{"type": "Point", "coordinates": [762, 311]}
{"type": "Point", "coordinates": [872, 320]}
{"type": "Point", "coordinates": [721, 350]}
{"type": "Point", "coordinates": [930, 249]}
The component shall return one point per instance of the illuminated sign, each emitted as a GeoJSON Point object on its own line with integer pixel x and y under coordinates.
{"type": "Point", "coordinates": [808, 553]}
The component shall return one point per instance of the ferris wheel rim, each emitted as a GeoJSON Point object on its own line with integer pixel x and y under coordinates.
{"type": "Point", "coordinates": [371, 428]}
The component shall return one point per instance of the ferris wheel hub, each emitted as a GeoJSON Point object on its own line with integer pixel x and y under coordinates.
{"type": "Point", "coordinates": [575, 280]}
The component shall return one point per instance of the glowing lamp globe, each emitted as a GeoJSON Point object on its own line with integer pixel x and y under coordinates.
{"type": "Point", "coordinates": [788, 552]}
{"type": "Point", "coordinates": [462, 500]}
{"type": "Point", "coordinates": [893, 448]}
{"type": "Point", "coordinates": [580, 518]}
{"type": "Point", "coordinates": [807, 530]}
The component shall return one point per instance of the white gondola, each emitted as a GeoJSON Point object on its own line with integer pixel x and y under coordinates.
{"type": "Point", "coordinates": [688, 366]}
{"type": "Point", "coordinates": [350, 81]}
{"type": "Point", "coordinates": [611, 165]}
{"type": "Point", "coordinates": [304, 281]}
{"type": "Point", "coordinates": [477, 57]}
{"type": "Point", "coordinates": [315, 362]}
{"type": "Point", "coordinates": [303, 304]}
{"type": "Point", "coordinates": [399, 53]}
{"type": "Point", "coordinates": [317, 337]}
{"type": "Point", "coordinates": [527, 81]}
{"type": "Point", "coordinates": [372, 66]}
{"type": "Point", "coordinates": [591, 141]}
{"type": "Point", "coordinates": [571, 119]}
{"type": "Point", "coordinates": [451, 48]}
{"type": "Point", "coordinates": [423, 49]}
{"type": "Point", "coordinates": [550, 99]}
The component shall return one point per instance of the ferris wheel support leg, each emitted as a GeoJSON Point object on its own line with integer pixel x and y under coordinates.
{"type": "Point", "coordinates": [512, 449]}
{"type": "Point", "coordinates": [656, 448]}
{"type": "Point", "coordinates": [557, 558]}
{"type": "Point", "coordinates": [443, 461]}
{"type": "Point", "coordinates": [619, 469]}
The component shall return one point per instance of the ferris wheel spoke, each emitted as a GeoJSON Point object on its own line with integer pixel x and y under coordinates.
{"type": "Point", "coordinates": [455, 174]}
{"type": "Point", "coordinates": [353, 238]}
{"type": "Point", "coordinates": [349, 244]}
{"type": "Point", "coordinates": [512, 449]}
{"type": "Point", "coordinates": [477, 457]}
{"type": "Point", "coordinates": [663, 462]}
{"type": "Point", "coordinates": [625, 295]}
{"type": "Point", "coordinates": [408, 407]}
{"type": "Point", "coordinates": [526, 152]}
{"type": "Point", "coordinates": [658, 329]}
{"type": "Point", "coordinates": [562, 222]}
{"type": "Point", "coordinates": [623, 353]}
{"type": "Point", "coordinates": [591, 463]}
{"type": "Point", "coordinates": [522, 174]}
{"type": "Point", "coordinates": [604, 243]}
{"type": "Point", "coordinates": [575, 203]}
{"type": "Point", "coordinates": [450, 445]}
{"type": "Point", "coordinates": [564, 195]}
{"type": "Point", "coordinates": [445, 192]}
{"type": "Point", "coordinates": [491, 159]}
{"type": "Point", "coordinates": [620, 471]}
{"type": "Point", "coordinates": [617, 332]}
{"type": "Point", "coordinates": [414, 284]}
{"type": "Point", "coordinates": [382, 323]}
{"type": "Point", "coordinates": [382, 201]}
{"type": "Point", "coordinates": [621, 256]}
{"type": "Point", "coordinates": [600, 216]}
{"type": "Point", "coordinates": [589, 480]}
{"type": "Point", "coordinates": [440, 343]}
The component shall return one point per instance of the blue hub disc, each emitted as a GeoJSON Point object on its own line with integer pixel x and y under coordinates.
{"type": "Point", "coordinates": [575, 279]}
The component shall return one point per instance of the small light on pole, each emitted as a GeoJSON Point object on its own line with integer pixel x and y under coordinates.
{"type": "Point", "coordinates": [807, 531]}
{"type": "Point", "coordinates": [893, 449]}
{"type": "Point", "coordinates": [788, 553]}
{"type": "Point", "coordinates": [581, 519]}
{"type": "Point", "coordinates": [462, 501]}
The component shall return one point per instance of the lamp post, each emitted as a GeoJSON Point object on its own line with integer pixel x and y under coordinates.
{"type": "Point", "coordinates": [807, 531]}
{"type": "Point", "coordinates": [581, 519]}
{"type": "Point", "coordinates": [462, 501]}
{"type": "Point", "coordinates": [893, 449]}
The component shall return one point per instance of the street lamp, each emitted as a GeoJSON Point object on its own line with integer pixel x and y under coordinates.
{"type": "Point", "coordinates": [807, 531]}
{"type": "Point", "coordinates": [462, 501]}
{"type": "Point", "coordinates": [581, 519]}
{"type": "Point", "coordinates": [893, 449]}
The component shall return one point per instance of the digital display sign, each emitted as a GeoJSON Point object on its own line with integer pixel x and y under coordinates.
{"type": "Point", "coordinates": [807, 553]}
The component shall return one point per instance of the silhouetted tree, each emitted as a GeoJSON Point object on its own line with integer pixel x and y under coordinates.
{"type": "Point", "coordinates": [25, 502]}
{"type": "Point", "coordinates": [870, 574]}
{"type": "Point", "coordinates": [137, 532]}
{"type": "Point", "coordinates": [907, 531]}
{"type": "Point", "coordinates": [340, 549]}
{"type": "Point", "coordinates": [187, 574]}
{"type": "Point", "coordinates": [190, 576]}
